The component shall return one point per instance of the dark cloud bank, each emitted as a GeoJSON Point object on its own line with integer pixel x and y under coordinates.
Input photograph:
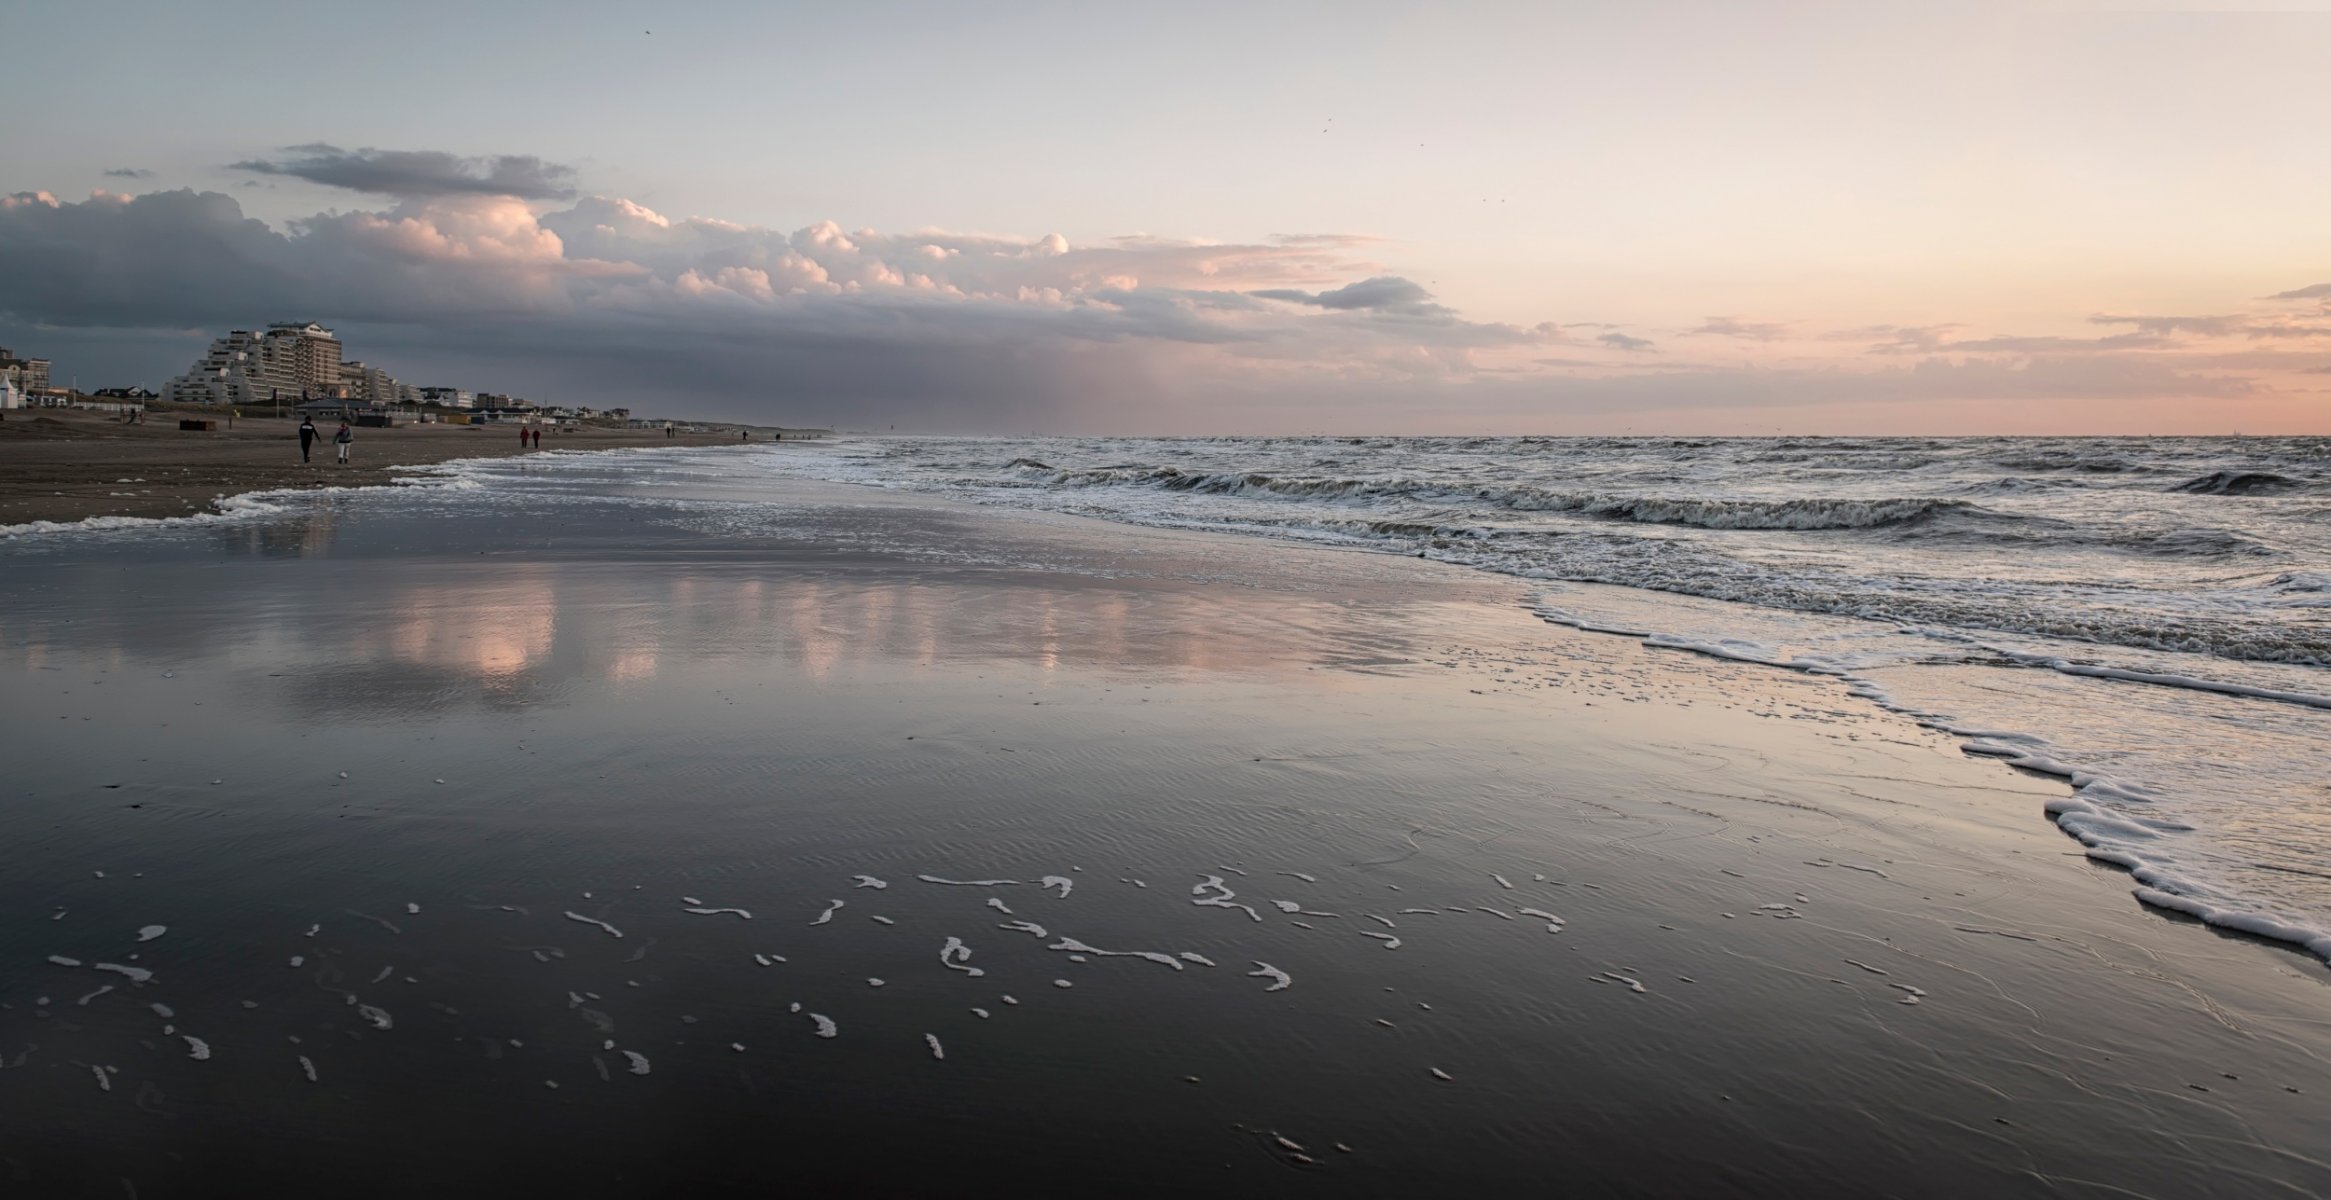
{"type": "Point", "coordinates": [419, 172]}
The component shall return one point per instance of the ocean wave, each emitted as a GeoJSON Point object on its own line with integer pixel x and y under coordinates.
{"type": "Point", "coordinates": [2237, 483]}
{"type": "Point", "coordinates": [1797, 514]}
{"type": "Point", "coordinates": [2185, 543]}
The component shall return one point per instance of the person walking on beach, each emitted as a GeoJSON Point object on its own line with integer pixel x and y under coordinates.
{"type": "Point", "coordinates": [307, 436]}
{"type": "Point", "coordinates": [344, 439]}
{"type": "Point", "coordinates": [538, 439]}
{"type": "Point", "coordinates": [521, 437]}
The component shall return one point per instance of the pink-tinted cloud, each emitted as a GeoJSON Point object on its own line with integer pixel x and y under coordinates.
{"type": "Point", "coordinates": [605, 298]}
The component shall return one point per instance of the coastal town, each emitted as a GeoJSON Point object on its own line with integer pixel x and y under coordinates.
{"type": "Point", "coordinates": [230, 424]}
{"type": "Point", "coordinates": [301, 369]}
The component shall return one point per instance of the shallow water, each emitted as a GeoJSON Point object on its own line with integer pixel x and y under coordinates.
{"type": "Point", "coordinates": [452, 805]}
{"type": "Point", "coordinates": [2184, 585]}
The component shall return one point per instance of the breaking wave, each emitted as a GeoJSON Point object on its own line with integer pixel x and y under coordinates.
{"type": "Point", "coordinates": [1803, 515]}
{"type": "Point", "coordinates": [2237, 483]}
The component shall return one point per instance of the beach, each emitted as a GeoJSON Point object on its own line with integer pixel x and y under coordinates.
{"type": "Point", "coordinates": [67, 465]}
{"type": "Point", "coordinates": [696, 825]}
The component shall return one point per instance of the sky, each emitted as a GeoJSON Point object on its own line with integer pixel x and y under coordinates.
{"type": "Point", "coordinates": [2064, 217]}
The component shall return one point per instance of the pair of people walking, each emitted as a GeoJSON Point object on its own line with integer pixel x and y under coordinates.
{"type": "Point", "coordinates": [525, 434]}
{"type": "Point", "coordinates": [343, 439]}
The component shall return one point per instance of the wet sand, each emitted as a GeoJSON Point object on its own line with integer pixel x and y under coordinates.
{"type": "Point", "coordinates": [66, 465]}
{"type": "Point", "coordinates": [1114, 862]}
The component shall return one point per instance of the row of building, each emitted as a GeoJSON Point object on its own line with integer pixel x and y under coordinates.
{"type": "Point", "coordinates": [26, 375]}
{"type": "Point", "coordinates": [288, 362]}
{"type": "Point", "coordinates": [299, 362]}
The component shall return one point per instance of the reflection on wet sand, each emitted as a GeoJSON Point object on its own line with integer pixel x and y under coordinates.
{"type": "Point", "coordinates": [448, 637]}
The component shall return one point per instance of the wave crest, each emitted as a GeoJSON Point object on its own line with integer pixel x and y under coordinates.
{"type": "Point", "coordinates": [1805, 514]}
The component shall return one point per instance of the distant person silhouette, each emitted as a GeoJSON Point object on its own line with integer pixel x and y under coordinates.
{"type": "Point", "coordinates": [521, 437]}
{"type": "Point", "coordinates": [344, 439]}
{"type": "Point", "coordinates": [307, 436]}
{"type": "Point", "coordinates": [538, 439]}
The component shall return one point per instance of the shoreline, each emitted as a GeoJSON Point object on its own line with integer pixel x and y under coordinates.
{"type": "Point", "coordinates": [64, 467]}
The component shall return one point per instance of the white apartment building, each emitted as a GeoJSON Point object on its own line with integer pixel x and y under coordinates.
{"type": "Point", "coordinates": [368, 385]}
{"type": "Point", "coordinates": [449, 397]}
{"type": "Point", "coordinates": [292, 359]}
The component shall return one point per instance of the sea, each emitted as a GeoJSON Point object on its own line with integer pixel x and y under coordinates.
{"type": "Point", "coordinates": [2147, 618]}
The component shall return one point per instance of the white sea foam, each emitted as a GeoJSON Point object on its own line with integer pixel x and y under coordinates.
{"type": "Point", "coordinates": [1216, 893]}
{"type": "Point", "coordinates": [713, 912]}
{"type": "Point", "coordinates": [868, 881]}
{"type": "Point", "coordinates": [955, 956]}
{"type": "Point", "coordinates": [1279, 979]}
{"type": "Point", "coordinates": [1062, 882]}
{"type": "Point", "coordinates": [1554, 924]}
{"type": "Point", "coordinates": [937, 1051]}
{"type": "Point", "coordinates": [611, 930]}
{"type": "Point", "coordinates": [1075, 947]}
{"type": "Point", "coordinates": [832, 907]}
{"type": "Point", "coordinates": [968, 882]}
{"type": "Point", "coordinates": [150, 932]}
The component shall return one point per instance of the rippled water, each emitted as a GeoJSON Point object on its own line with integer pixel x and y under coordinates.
{"type": "Point", "coordinates": [2150, 618]}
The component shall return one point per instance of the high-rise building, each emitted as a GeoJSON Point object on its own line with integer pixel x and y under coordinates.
{"type": "Point", "coordinates": [366, 385]}
{"type": "Point", "coordinates": [308, 351]}
{"type": "Point", "coordinates": [293, 360]}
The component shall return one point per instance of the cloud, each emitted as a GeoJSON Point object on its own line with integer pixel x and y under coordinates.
{"type": "Point", "coordinates": [419, 173]}
{"type": "Point", "coordinates": [1734, 327]}
{"type": "Point", "coordinates": [129, 173]}
{"type": "Point", "coordinates": [2205, 326]}
{"type": "Point", "coordinates": [603, 299]}
{"type": "Point", "coordinates": [2013, 344]}
{"type": "Point", "coordinates": [607, 297]}
{"type": "Point", "coordinates": [2313, 291]}
{"type": "Point", "coordinates": [2230, 326]}
{"type": "Point", "coordinates": [1383, 293]}
{"type": "Point", "coordinates": [1936, 339]}
{"type": "Point", "coordinates": [1895, 339]}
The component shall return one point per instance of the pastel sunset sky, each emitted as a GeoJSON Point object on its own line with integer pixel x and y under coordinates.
{"type": "Point", "coordinates": [1191, 218]}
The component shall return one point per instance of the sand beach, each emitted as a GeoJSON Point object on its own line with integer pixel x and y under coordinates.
{"type": "Point", "coordinates": [674, 835]}
{"type": "Point", "coordinates": [67, 465]}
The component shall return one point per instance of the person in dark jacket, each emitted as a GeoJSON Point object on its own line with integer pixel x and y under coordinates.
{"type": "Point", "coordinates": [307, 436]}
